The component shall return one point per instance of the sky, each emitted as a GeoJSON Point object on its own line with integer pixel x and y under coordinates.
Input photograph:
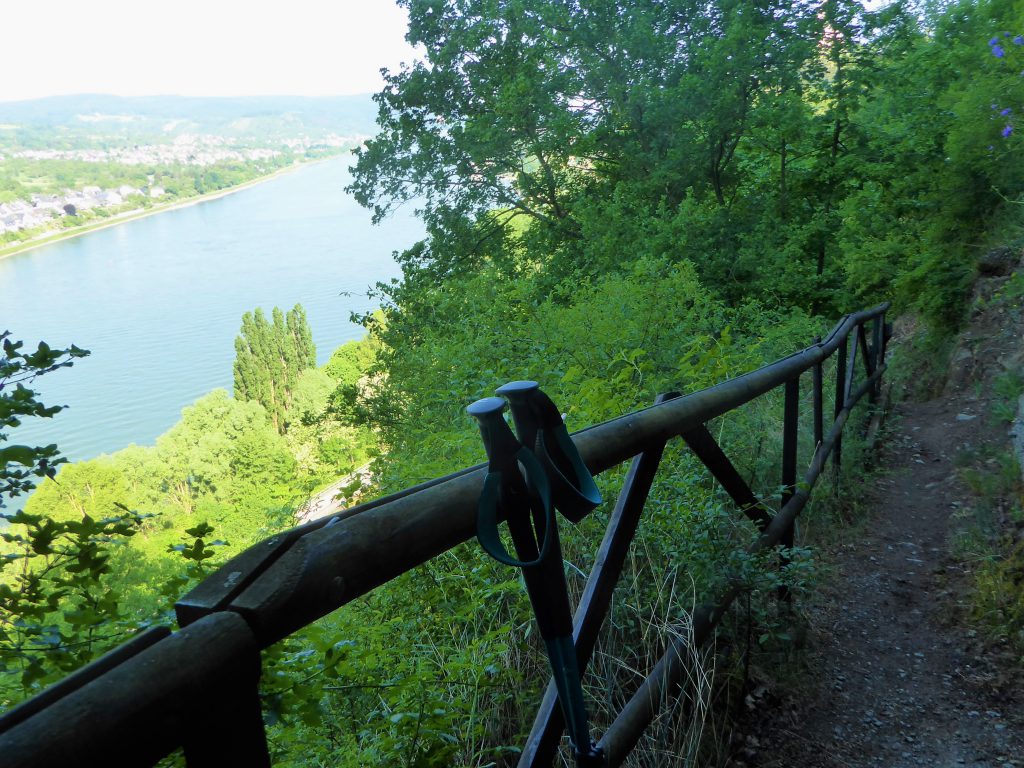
{"type": "Point", "coordinates": [199, 47]}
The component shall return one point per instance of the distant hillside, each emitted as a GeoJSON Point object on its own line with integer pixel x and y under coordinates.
{"type": "Point", "coordinates": [257, 116]}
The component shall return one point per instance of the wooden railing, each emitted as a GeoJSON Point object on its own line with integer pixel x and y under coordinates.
{"type": "Point", "coordinates": [197, 687]}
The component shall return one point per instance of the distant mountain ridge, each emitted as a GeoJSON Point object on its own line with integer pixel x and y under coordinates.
{"type": "Point", "coordinates": [346, 115]}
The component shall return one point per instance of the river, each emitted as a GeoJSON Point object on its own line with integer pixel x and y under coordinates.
{"type": "Point", "coordinates": [159, 300]}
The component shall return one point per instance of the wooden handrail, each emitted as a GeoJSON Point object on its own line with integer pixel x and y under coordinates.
{"type": "Point", "coordinates": [287, 581]}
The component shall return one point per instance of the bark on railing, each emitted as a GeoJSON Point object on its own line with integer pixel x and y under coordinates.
{"type": "Point", "coordinates": [196, 689]}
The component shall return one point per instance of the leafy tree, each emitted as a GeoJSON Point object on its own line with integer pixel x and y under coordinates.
{"type": "Point", "coordinates": [269, 356]}
{"type": "Point", "coordinates": [56, 606]}
{"type": "Point", "coordinates": [324, 443]}
{"type": "Point", "coordinates": [221, 462]}
{"type": "Point", "coordinates": [220, 451]}
{"type": "Point", "coordinates": [94, 488]}
{"type": "Point", "coordinates": [20, 464]}
{"type": "Point", "coordinates": [262, 475]}
{"type": "Point", "coordinates": [351, 361]}
{"type": "Point", "coordinates": [554, 112]}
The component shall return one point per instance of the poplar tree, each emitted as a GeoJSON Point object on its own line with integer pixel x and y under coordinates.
{"type": "Point", "coordinates": [269, 356]}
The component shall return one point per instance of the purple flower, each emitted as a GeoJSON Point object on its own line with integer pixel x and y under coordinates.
{"type": "Point", "coordinates": [1006, 111]}
{"type": "Point", "coordinates": [998, 52]}
{"type": "Point", "coordinates": [1006, 34]}
{"type": "Point", "coordinates": [1018, 40]}
{"type": "Point", "coordinates": [993, 41]}
{"type": "Point", "coordinates": [1007, 131]}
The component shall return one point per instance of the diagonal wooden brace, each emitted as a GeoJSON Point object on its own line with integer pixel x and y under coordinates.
{"type": "Point", "coordinates": [705, 448]}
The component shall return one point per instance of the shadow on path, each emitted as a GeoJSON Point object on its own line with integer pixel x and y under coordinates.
{"type": "Point", "coordinates": [895, 675]}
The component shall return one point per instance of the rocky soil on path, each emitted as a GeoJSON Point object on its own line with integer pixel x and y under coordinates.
{"type": "Point", "coordinates": [344, 492]}
{"type": "Point", "coordinates": [895, 672]}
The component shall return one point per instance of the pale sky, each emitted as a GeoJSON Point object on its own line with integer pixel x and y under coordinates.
{"type": "Point", "coordinates": [198, 47]}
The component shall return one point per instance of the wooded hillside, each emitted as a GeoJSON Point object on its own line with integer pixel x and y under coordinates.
{"type": "Point", "coordinates": [621, 199]}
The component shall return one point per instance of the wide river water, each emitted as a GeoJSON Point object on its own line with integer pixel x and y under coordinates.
{"type": "Point", "coordinates": [159, 301]}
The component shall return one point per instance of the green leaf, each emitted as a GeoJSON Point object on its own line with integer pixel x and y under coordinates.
{"type": "Point", "coordinates": [200, 531]}
{"type": "Point", "coordinates": [18, 454]}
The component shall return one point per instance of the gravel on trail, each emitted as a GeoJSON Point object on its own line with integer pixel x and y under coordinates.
{"type": "Point", "coordinates": [895, 673]}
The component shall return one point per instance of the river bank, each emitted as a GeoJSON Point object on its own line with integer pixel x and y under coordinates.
{"type": "Point", "coordinates": [141, 213]}
{"type": "Point", "coordinates": [159, 301]}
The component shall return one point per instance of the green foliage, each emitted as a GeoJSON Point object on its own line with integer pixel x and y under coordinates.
{"type": "Point", "coordinates": [269, 356]}
{"type": "Point", "coordinates": [987, 539]}
{"type": "Point", "coordinates": [998, 599]}
{"type": "Point", "coordinates": [198, 552]}
{"type": "Point", "coordinates": [1008, 387]}
{"type": "Point", "coordinates": [19, 464]}
{"type": "Point", "coordinates": [351, 361]}
{"type": "Point", "coordinates": [224, 459]}
{"type": "Point", "coordinates": [565, 117]}
{"type": "Point", "coordinates": [621, 199]}
{"type": "Point", "coordinates": [621, 341]}
{"type": "Point", "coordinates": [222, 462]}
{"type": "Point", "coordinates": [85, 488]}
{"type": "Point", "coordinates": [820, 157]}
{"type": "Point", "coordinates": [80, 572]}
{"type": "Point", "coordinates": [57, 608]}
{"type": "Point", "coordinates": [326, 444]}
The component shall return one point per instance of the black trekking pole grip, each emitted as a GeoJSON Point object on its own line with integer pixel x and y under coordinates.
{"type": "Point", "coordinates": [540, 428]}
{"type": "Point", "coordinates": [522, 497]}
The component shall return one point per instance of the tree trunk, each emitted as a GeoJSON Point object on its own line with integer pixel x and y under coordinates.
{"type": "Point", "coordinates": [783, 202]}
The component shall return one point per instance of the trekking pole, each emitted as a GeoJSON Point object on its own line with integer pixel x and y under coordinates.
{"type": "Point", "coordinates": [518, 488]}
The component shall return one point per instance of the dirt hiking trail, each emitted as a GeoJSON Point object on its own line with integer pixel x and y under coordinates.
{"type": "Point", "coordinates": [893, 673]}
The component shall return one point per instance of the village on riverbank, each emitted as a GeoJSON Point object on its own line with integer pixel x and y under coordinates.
{"type": "Point", "coordinates": [71, 165]}
{"type": "Point", "coordinates": [39, 214]}
{"type": "Point", "coordinates": [40, 210]}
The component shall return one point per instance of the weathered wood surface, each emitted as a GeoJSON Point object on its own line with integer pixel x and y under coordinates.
{"type": "Point", "coordinates": [187, 684]}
